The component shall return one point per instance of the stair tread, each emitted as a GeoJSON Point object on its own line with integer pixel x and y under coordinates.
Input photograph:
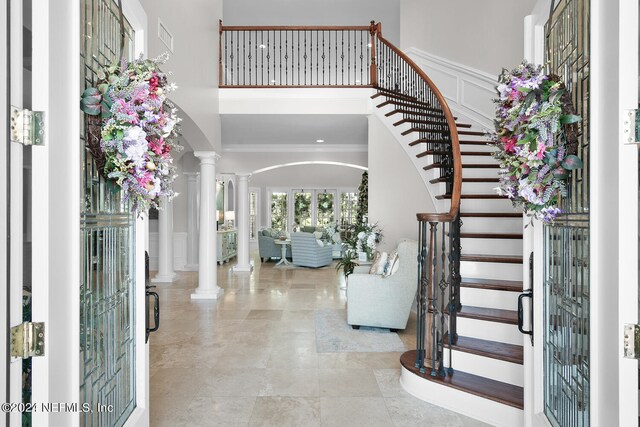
{"type": "Point", "coordinates": [423, 129]}
{"type": "Point", "coordinates": [425, 140]}
{"type": "Point", "coordinates": [473, 196]}
{"type": "Point", "coordinates": [481, 165]}
{"type": "Point", "coordinates": [493, 349]}
{"type": "Point", "coordinates": [491, 235]}
{"type": "Point", "coordinates": [444, 178]}
{"type": "Point", "coordinates": [421, 122]}
{"type": "Point", "coordinates": [497, 391]}
{"type": "Point", "coordinates": [416, 113]}
{"type": "Point", "coordinates": [470, 142]}
{"type": "Point", "coordinates": [409, 105]}
{"type": "Point", "coordinates": [489, 314]}
{"type": "Point", "coordinates": [472, 133]}
{"type": "Point", "coordinates": [504, 259]}
{"type": "Point", "coordinates": [492, 284]}
{"type": "Point", "coordinates": [491, 214]}
{"type": "Point", "coordinates": [476, 153]}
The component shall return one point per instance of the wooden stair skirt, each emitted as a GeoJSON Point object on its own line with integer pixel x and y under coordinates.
{"type": "Point", "coordinates": [503, 393]}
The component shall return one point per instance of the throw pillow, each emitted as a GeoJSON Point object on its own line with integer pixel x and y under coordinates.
{"type": "Point", "coordinates": [375, 262]}
{"type": "Point", "coordinates": [318, 234]}
{"type": "Point", "coordinates": [320, 243]}
{"type": "Point", "coordinates": [392, 264]}
{"type": "Point", "coordinates": [383, 261]}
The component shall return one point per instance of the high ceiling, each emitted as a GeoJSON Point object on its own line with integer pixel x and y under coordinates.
{"type": "Point", "coordinates": [302, 129]}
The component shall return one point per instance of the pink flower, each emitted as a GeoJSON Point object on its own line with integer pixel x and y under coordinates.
{"type": "Point", "coordinates": [541, 150]}
{"type": "Point", "coordinates": [509, 143]}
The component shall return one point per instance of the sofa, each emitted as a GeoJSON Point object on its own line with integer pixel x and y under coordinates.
{"type": "Point", "coordinates": [267, 248]}
{"type": "Point", "coordinates": [384, 302]}
{"type": "Point", "coordinates": [307, 252]}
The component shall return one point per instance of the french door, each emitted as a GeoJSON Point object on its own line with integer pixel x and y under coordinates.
{"type": "Point", "coordinates": [313, 207]}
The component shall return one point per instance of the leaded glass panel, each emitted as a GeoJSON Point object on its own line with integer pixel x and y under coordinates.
{"type": "Point", "coordinates": [107, 297]}
{"type": "Point", "coordinates": [566, 242]}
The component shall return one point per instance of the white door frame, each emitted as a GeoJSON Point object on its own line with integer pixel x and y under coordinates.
{"type": "Point", "coordinates": [628, 211]}
{"type": "Point", "coordinates": [4, 21]}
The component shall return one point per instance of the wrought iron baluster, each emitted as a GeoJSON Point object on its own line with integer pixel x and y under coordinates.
{"type": "Point", "coordinates": [433, 298]}
{"type": "Point", "coordinates": [342, 54]}
{"type": "Point", "coordinates": [323, 57]}
{"type": "Point", "coordinates": [286, 58]}
{"type": "Point", "coordinates": [443, 287]}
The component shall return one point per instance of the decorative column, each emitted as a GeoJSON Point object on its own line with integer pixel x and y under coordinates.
{"type": "Point", "coordinates": [207, 255]}
{"type": "Point", "coordinates": [192, 220]}
{"type": "Point", "coordinates": [242, 223]}
{"type": "Point", "coordinates": [165, 243]}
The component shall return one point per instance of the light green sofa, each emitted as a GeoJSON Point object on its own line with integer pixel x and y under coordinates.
{"type": "Point", "coordinates": [384, 302]}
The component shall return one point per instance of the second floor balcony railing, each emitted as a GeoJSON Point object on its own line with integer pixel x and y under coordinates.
{"type": "Point", "coordinates": [288, 56]}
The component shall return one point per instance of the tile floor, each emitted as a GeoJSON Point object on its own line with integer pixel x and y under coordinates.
{"type": "Point", "coordinates": [249, 359]}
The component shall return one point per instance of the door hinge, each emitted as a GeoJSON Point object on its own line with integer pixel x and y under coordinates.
{"type": "Point", "coordinates": [631, 341]}
{"type": "Point", "coordinates": [631, 126]}
{"type": "Point", "coordinates": [27, 340]}
{"type": "Point", "coordinates": [27, 127]}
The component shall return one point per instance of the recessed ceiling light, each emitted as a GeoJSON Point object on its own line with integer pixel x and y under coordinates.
{"type": "Point", "coordinates": [319, 140]}
{"type": "Point", "coordinates": [262, 46]}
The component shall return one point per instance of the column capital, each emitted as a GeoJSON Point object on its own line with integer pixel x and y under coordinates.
{"type": "Point", "coordinates": [191, 176]}
{"type": "Point", "coordinates": [207, 157]}
{"type": "Point", "coordinates": [244, 175]}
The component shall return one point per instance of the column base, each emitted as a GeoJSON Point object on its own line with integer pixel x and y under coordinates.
{"type": "Point", "coordinates": [164, 278]}
{"type": "Point", "coordinates": [191, 267]}
{"type": "Point", "coordinates": [208, 294]}
{"type": "Point", "coordinates": [248, 268]}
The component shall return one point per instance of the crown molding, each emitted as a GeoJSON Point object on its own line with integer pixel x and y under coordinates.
{"type": "Point", "coordinates": [295, 148]}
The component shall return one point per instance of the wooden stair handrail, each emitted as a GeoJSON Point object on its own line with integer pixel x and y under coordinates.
{"type": "Point", "coordinates": [455, 142]}
{"type": "Point", "coordinates": [293, 27]}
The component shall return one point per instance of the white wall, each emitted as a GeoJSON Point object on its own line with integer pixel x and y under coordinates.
{"type": "Point", "coordinates": [194, 63]}
{"type": "Point", "coordinates": [396, 190]}
{"type": "Point", "coordinates": [487, 35]}
{"type": "Point", "coordinates": [316, 12]}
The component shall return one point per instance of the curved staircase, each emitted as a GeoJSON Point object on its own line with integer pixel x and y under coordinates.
{"type": "Point", "coordinates": [487, 357]}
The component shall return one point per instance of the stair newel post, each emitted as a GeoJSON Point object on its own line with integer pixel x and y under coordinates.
{"type": "Point", "coordinates": [373, 67]}
{"type": "Point", "coordinates": [443, 287]}
{"type": "Point", "coordinates": [220, 76]}
{"type": "Point", "coordinates": [421, 295]}
{"type": "Point", "coordinates": [433, 297]}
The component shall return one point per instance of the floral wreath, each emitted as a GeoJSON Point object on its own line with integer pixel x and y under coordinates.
{"type": "Point", "coordinates": [536, 136]}
{"type": "Point", "coordinates": [132, 130]}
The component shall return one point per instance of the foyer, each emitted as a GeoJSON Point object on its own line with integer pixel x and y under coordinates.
{"type": "Point", "coordinates": [251, 359]}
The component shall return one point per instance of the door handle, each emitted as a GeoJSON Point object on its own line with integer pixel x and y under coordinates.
{"type": "Point", "coordinates": [156, 313]}
{"type": "Point", "coordinates": [521, 297]}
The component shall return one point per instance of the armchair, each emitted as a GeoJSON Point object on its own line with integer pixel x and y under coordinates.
{"type": "Point", "coordinates": [384, 302]}
{"type": "Point", "coordinates": [307, 252]}
{"type": "Point", "coordinates": [267, 247]}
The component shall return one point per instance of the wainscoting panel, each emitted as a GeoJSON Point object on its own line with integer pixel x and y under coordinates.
{"type": "Point", "coordinates": [179, 251]}
{"type": "Point", "coordinates": [468, 91]}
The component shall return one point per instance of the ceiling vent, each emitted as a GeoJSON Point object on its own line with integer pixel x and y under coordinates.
{"type": "Point", "coordinates": [165, 36]}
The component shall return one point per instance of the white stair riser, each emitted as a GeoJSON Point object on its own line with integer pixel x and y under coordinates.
{"type": "Point", "coordinates": [486, 205]}
{"type": "Point", "coordinates": [487, 367]}
{"type": "Point", "coordinates": [489, 298]}
{"type": "Point", "coordinates": [492, 331]}
{"type": "Point", "coordinates": [479, 187]}
{"type": "Point", "coordinates": [485, 410]}
{"type": "Point", "coordinates": [492, 225]}
{"type": "Point", "coordinates": [491, 246]}
{"type": "Point", "coordinates": [480, 172]}
{"type": "Point", "coordinates": [491, 270]}
{"type": "Point", "coordinates": [478, 159]}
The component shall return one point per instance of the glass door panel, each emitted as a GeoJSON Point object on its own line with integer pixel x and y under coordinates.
{"type": "Point", "coordinates": [348, 207]}
{"type": "Point", "coordinates": [302, 208]}
{"type": "Point", "coordinates": [325, 208]}
{"type": "Point", "coordinates": [279, 211]}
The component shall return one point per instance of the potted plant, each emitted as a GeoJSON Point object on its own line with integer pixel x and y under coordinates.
{"type": "Point", "coordinates": [347, 263]}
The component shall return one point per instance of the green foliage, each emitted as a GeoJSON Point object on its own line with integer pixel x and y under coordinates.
{"type": "Point", "coordinates": [362, 212]}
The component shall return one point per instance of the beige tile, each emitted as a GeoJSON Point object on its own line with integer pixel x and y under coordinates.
{"type": "Point", "coordinates": [354, 411]}
{"type": "Point", "coordinates": [250, 358]}
{"type": "Point", "coordinates": [286, 411]}
{"type": "Point", "coordinates": [348, 383]}
{"type": "Point", "coordinates": [290, 382]}
{"type": "Point", "coordinates": [217, 411]}
{"type": "Point", "coordinates": [389, 382]}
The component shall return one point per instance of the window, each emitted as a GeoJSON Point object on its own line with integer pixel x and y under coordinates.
{"type": "Point", "coordinates": [279, 211]}
{"type": "Point", "coordinates": [253, 214]}
{"type": "Point", "coordinates": [302, 210]}
{"type": "Point", "coordinates": [348, 207]}
{"type": "Point", "coordinates": [325, 208]}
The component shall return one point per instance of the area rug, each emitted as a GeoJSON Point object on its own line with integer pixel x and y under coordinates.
{"type": "Point", "coordinates": [334, 335]}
